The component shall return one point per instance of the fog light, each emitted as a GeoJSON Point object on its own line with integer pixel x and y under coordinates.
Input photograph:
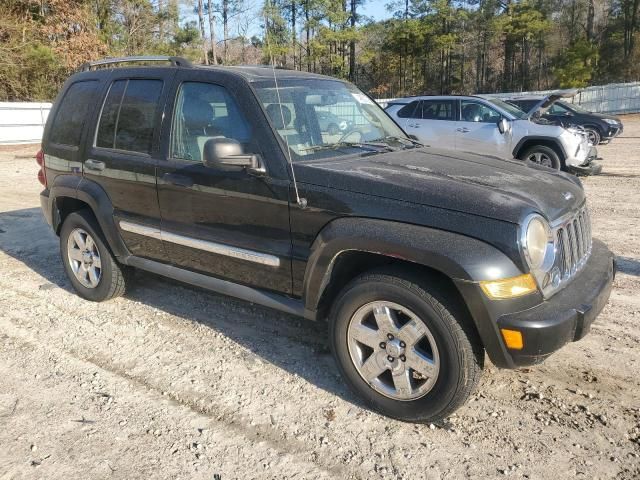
{"type": "Point", "coordinates": [509, 287]}
{"type": "Point", "coordinates": [513, 339]}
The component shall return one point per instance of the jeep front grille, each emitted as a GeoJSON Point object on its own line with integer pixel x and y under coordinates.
{"type": "Point", "coordinates": [573, 243]}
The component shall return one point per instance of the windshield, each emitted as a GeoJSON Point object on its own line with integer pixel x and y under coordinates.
{"type": "Point", "coordinates": [512, 109]}
{"type": "Point", "coordinates": [320, 118]}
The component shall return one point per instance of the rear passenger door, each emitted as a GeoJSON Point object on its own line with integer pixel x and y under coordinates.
{"type": "Point", "coordinates": [124, 153]}
{"type": "Point", "coordinates": [227, 223]}
{"type": "Point", "coordinates": [431, 121]}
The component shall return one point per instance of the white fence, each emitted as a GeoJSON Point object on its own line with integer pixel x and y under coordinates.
{"type": "Point", "coordinates": [22, 122]}
{"type": "Point", "coordinates": [617, 98]}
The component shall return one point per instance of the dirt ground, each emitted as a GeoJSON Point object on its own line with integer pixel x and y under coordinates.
{"type": "Point", "coordinates": [171, 382]}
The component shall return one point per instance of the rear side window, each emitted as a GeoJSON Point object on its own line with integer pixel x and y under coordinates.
{"type": "Point", "coordinates": [411, 110]}
{"type": "Point", "coordinates": [437, 109]}
{"type": "Point", "coordinates": [128, 115]}
{"type": "Point", "coordinates": [72, 113]}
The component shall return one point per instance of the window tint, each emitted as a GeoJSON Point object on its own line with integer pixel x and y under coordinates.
{"type": "Point", "coordinates": [478, 112]}
{"type": "Point", "coordinates": [107, 130]}
{"type": "Point", "coordinates": [204, 111]}
{"type": "Point", "coordinates": [437, 109]}
{"type": "Point", "coordinates": [128, 115]}
{"type": "Point", "coordinates": [72, 113]}
{"type": "Point", "coordinates": [411, 110]}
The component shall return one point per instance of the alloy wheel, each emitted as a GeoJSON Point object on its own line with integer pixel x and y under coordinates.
{"type": "Point", "coordinates": [393, 350]}
{"type": "Point", "coordinates": [541, 159]}
{"type": "Point", "coordinates": [84, 258]}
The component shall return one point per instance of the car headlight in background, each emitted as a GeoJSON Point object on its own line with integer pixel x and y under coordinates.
{"type": "Point", "coordinates": [611, 121]}
{"type": "Point", "coordinates": [536, 241]}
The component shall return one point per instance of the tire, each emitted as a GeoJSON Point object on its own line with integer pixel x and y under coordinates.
{"type": "Point", "coordinates": [593, 135]}
{"type": "Point", "coordinates": [542, 155]}
{"type": "Point", "coordinates": [91, 283]}
{"type": "Point", "coordinates": [333, 129]}
{"type": "Point", "coordinates": [457, 356]}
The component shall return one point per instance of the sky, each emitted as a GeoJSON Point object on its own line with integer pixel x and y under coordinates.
{"type": "Point", "coordinates": [375, 9]}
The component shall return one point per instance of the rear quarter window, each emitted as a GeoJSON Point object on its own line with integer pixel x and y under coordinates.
{"type": "Point", "coordinates": [72, 113]}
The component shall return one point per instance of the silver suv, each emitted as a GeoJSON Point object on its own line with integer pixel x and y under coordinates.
{"type": "Point", "coordinates": [491, 126]}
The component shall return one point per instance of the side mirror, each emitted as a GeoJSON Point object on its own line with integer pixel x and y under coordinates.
{"type": "Point", "coordinates": [504, 126]}
{"type": "Point", "coordinates": [226, 154]}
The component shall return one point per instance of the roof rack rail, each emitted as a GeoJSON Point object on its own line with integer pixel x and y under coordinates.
{"type": "Point", "coordinates": [175, 61]}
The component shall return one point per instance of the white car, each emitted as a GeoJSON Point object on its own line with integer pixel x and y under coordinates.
{"type": "Point", "coordinates": [491, 126]}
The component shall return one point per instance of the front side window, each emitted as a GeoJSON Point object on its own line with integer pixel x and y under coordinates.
{"type": "Point", "coordinates": [128, 115]}
{"type": "Point", "coordinates": [204, 111]}
{"type": "Point", "coordinates": [72, 113]}
{"type": "Point", "coordinates": [478, 112]}
{"type": "Point", "coordinates": [324, 118]}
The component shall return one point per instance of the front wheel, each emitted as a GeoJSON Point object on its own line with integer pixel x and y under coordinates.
{"type": "Point", "coordinates": [407, 349]}
{"type": "Point", "coordinates": [593, 136]}
{"type": "Point", "coordinates": [89, 264]}
{"type": "Point", "coordinates": [542, 155]}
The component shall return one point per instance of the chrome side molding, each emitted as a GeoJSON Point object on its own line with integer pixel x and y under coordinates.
{"type": "Point", "coordinates": [204, 245]}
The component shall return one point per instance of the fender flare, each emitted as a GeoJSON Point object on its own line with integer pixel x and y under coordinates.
{"type": "Point", "coordinates": [553, 140]}
{"type": "Point", "coordinates": [92, 194]}
{"type": "Point", "coordinates": [459, 257]}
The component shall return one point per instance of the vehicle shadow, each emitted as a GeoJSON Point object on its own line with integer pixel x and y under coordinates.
{"type": "Point", "coordinates": [627, 265]}
{"type": "Point", "coordinates": [296, 345]}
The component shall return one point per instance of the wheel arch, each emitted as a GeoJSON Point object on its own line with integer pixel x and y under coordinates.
{"type": "Point", "coordinates": [347, 247]}
{"type": "Point", "coordinates": [528, 142]}
{"type": "Point", "coordinates": [73, 193]}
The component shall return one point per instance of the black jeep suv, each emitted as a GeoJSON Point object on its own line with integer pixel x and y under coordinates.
{"type": "Point", "coordinates": [421, 260]}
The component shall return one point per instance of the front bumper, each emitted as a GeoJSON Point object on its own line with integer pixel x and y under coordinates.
{"type": "Point", "coordinates": [613, 132]}
{"type": "Point", "coordinates": [549, 324]}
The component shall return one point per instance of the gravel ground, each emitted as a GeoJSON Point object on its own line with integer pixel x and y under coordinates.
{"type": "Point", "coordinates": [174, 382]}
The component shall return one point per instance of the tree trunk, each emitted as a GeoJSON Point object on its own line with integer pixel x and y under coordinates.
{"type": "Point", "coordinates": [225, 28]}
{"type": "Point", "coordinates": [205, 50]}
{"type": "Point", "coordinates": [352, 43]}
{"type": "Point", "coordinates": [212, 31]}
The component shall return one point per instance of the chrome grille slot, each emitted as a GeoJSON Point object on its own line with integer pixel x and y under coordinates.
{"type": "Point", "coordinates": [572, 237]}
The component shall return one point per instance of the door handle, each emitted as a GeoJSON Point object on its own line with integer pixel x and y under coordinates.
{"type": "Point", "coordinates": [463, 130]}
{"type": "Point", "coordinates": [178, 180]}
{"type": "Point", "coordinates": [413, 125]}
{"type": "Point", "coordinates": [94, 165]}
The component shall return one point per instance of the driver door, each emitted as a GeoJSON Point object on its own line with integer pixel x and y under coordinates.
{"type": "Point", "coordinates": [477, 130]}
{"type": "Point", "coordinates": [233, 224]}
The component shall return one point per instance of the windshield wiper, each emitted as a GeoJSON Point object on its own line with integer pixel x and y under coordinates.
{"type": "Point", "coordinates": [367, 146]}
{"type": "Point", "coordinates": [415, 143]}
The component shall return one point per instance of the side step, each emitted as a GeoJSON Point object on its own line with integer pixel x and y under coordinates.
{"type": "Point", "coordinates": [224, 287]}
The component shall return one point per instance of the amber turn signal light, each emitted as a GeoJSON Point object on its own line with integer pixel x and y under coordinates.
{"type": "Point", "coordinates": [513, 339]}
{"type": "Point", "coordinates": [509, 287]}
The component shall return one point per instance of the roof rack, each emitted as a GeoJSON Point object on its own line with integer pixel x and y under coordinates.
{"type": "Point", "coordinates": [175, 61]}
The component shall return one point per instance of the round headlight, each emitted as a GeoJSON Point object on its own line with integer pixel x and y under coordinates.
{"type": "Point", "coordinates": [536, 242]}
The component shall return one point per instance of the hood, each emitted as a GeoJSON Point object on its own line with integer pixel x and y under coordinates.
{"type": "Point", "coordinates": [505, 190]}
{"type": "Point", "coordinates": [604, 116]}
{"type": "Point", "coordinates": [543, 105]}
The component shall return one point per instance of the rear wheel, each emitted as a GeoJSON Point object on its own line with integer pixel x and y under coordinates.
{"type": "Point", "coordinates": [406, 348]}
{"type": "Point", "coordinates": [89, 264]}
{"type": "Point", "coordinates": [542, 155]}
{"type": "Point", "coordinates": [593, 135]}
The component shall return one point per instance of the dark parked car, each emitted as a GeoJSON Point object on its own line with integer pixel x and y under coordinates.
{"type": "Point", "coordinates": [600, 128]}
{"type": "Point", "coordinates": [421, 260]}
